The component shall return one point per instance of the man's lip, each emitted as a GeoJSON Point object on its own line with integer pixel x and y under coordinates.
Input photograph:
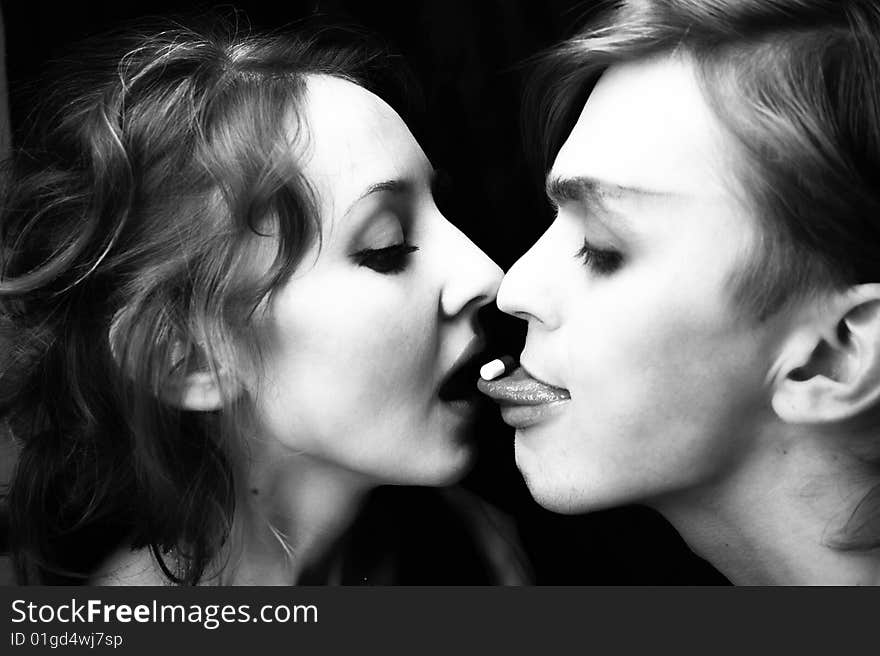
{"type": "Point", "coordinates": [523, 416]}
{"type": "Point", "coordinates": [521, 388]}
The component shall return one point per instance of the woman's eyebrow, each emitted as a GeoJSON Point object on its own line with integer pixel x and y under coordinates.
{"type": "Point", "coordinates": [395, 186]}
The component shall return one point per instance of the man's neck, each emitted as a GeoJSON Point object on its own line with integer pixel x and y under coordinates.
{"type": "Point", "coordinates": [777, 518]}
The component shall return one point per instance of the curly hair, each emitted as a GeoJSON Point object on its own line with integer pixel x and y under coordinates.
{"type": "Point", "coordinates": [152, 176]}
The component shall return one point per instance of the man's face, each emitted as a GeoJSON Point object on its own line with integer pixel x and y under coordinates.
{"type": "Point", "coordinates": [629, 306]}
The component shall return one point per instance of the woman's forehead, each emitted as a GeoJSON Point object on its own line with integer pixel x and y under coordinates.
{"type": "Point", "coordinates": [355, 140]}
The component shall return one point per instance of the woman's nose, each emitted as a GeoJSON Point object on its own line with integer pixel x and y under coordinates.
{"type": "Point", "coordinates": [527, 290]}
{"type": "Point", "coordinates": [474, 278]}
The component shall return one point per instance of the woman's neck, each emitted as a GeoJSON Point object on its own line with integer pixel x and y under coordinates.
{"type": "Point", "coordinates": [774, 520]}
{"type": "Point", "coordinates": [292, 512]}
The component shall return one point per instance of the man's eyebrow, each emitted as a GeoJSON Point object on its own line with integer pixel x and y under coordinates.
{"type": "Point", "coordinates": [594, 193]}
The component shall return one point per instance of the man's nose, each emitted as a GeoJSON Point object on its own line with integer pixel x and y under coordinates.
{"type": "Point", "coordinates": [527, 291]}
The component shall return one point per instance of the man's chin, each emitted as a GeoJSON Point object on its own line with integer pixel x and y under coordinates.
{"type": "Point", "coordinates": [558, 490]}
{"type": "Point", "coordinates": [543, 482]}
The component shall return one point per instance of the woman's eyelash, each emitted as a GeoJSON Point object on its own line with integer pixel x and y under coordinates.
{"type": "Point", "coordinates": [601, 260]}
{"type": "Point", "coordinates": [391, 259]}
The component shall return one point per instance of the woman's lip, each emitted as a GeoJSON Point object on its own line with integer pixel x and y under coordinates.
{"type": "Point", "coordinates": [520, 389]}
{"type": "Point", "coordinates": [470, 357]}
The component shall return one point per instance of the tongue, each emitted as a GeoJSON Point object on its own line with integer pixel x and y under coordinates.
{"type": "Point", "coordinates": [521, 384]}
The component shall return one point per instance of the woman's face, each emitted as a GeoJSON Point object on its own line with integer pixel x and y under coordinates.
{"type": "Point", "coordinates": [629, 304]}
{"type": "Point", "coordinates": [365, 334]}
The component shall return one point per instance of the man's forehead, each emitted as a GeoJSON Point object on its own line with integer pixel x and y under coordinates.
{"type": "Point", "coordinates": [647, 125]}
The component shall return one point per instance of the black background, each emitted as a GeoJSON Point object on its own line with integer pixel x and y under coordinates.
{"type": "Point", "coordinates": [469, 58]}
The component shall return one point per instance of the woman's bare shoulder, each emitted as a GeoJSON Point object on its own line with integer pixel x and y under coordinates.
{"type": "Point", "coordinates": [129, 567]}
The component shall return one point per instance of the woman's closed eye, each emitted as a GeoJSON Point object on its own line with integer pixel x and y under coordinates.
{"type": "Point", "coordinates": [602, 261]}
{"type": "Point", "coordinates": [387, 260]}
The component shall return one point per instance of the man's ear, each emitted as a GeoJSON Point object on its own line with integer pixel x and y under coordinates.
{"type": "Point", "coordinates": [829, 368]}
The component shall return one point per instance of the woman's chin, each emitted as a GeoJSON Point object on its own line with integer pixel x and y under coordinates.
{"type": "Point", "coordinates": [446, 468]}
